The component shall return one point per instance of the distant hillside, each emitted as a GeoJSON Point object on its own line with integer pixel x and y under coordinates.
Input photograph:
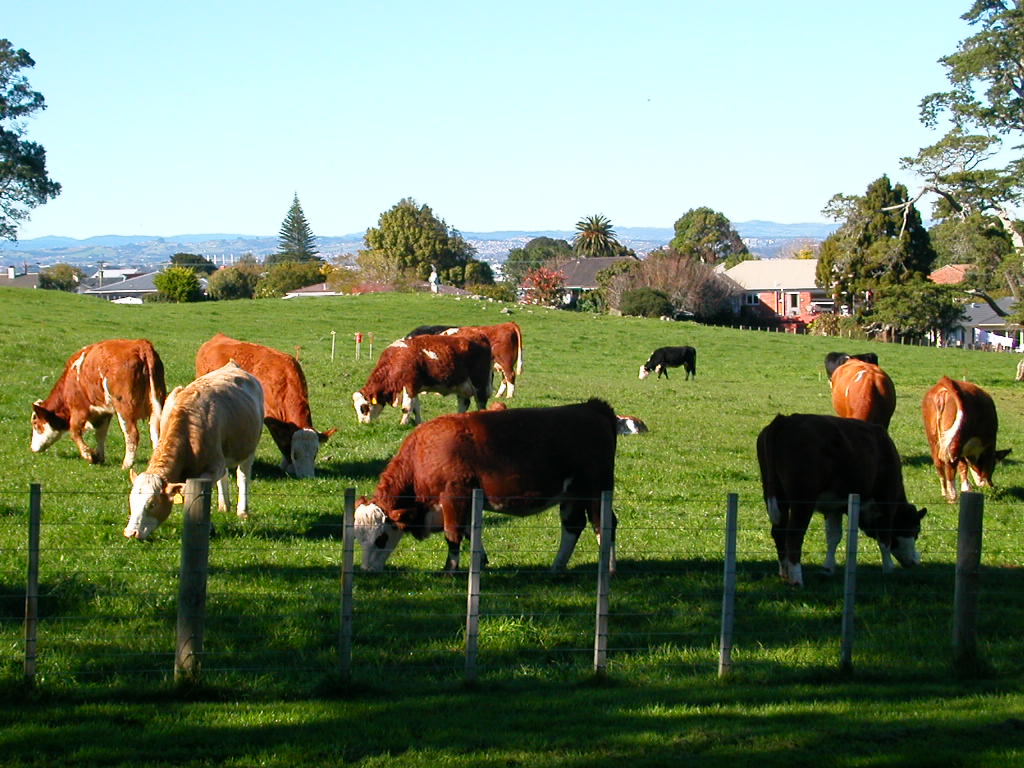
{"type": "Point", "coordinates": [764, 238]}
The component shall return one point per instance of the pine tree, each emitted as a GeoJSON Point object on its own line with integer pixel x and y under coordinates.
{"type": "Point", "coordinates": [296, 241]}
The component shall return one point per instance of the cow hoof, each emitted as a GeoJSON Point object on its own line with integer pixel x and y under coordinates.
{"type": "Point", "coordinates": [242, 515]}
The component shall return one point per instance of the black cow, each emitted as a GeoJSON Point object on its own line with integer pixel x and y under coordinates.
{"type": "Point", "coordinates": [428, 330]}
{"type": "Point", "coordinates": [670, 357]}
{"type": "Point", "coordinates": [834, 359]}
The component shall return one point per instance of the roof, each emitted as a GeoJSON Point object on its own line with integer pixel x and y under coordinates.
{"type": "Point", "coordinates": [140, 284]}
{"type": "Point", "coordinates": [21, 281]}
{"type": "Point", "coordinates": [775, 274]}
{"type": "Point", "coordinates": [951, 274]}
{"type": "Point", "coordinates": [582, 273]}
{"type": "Point", "coordinates": [980, 314]}
{"type": "Point", "coordinates": [315, 291]}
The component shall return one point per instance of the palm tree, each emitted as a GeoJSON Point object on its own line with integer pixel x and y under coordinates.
{"type": "Point", "coordinates": [595, 237]}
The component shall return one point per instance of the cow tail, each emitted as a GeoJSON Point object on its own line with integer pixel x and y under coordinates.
{"type": "Point", "coordinates": [768, 479]}
{"type": "Point", "coordinates": [157, 387]}
{"type": "Point", "coordinates": [945, 437]}
{"type": "Point", "coordinates": [519, 350]}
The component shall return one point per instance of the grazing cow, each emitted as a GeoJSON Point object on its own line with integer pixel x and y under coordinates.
{"type": "Point", "coordinates": [285, 397]}
{"type": "Point", "coordinates": [207, 428]}
{"type": "Point", "coordinates": [811, 462]}
{"type": "Point", "coordinates": [444, 364]}
{"type": "Point", "coordinates": [960, 422]}
{"type": "Point", "coordinates": [506, 340]}
{"type": "Point", "coordinates": [834, 359]}
{"type": "Point", "coordinates": [118, 376]}
{"type": "Point", "coordinates": [664, 358]}
{"type": "Point", "coordinates": [524, 459]}
{"type": "Point", "coordinates": [863, 391]}
{"type": "Point", "coordinates": [630, 425]}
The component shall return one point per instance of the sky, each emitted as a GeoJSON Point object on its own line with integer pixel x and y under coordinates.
{"type": "Point", "coordinates": [208, 117]}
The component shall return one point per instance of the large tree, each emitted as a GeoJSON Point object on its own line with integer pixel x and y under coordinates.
{"type": "Point", "coordinates": [594, 237]}
{"type": "Point", "coordinates": [970, 169]}
{"type": "Point", "coordinates": [178, 285]}
{"type": "Point", "coordinates": [710, 236]}
{"type": "Point", "coordinates": [878, 244]}
{"type": "Point", "coordinates": [981, 243]}
{"type": "Point", "coordinates": [61, 277]}
{"type": "Point", "coordinates": [409, 240]}
{"type": "Point", "coordinates": [540, 251]}
{"type": "Point", "coordinates": [296, 241]}
{"type": "Point", "coordinates": [24, 183]}
{"type": "Point", "coordinates": [201, 264]}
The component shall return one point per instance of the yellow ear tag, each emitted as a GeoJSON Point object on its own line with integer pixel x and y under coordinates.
{"type": "Point", "coordinates": [373, 401]}
{"type": "Point", "coordinates": [177, 499]}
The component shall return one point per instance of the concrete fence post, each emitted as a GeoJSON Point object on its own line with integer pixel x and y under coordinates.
{"type": "Point", "coordinates": [473, 582]}
{"type": "Point", "coordinates": [347, 547]}
{"type": "Point", "coordinates": [728, 587]}
{"type": "Point", "coordinates": [194, 569]}
{"type": "Point", "coordinates": [603, 585]}
{"type": "Point", "coordinates": [32, 582]}
{"type": "Point", "coordinates": [968, 583]}
{"type": "Point", "coordinates": [850, 583]}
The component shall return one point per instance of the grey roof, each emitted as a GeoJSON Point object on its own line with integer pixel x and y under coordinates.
{"type": "Point", "coordinates": [582, 273]}
{"type": "Point", "coordinates": [140, 284]}
{"type": "Point", "coordinates": [980, 314]}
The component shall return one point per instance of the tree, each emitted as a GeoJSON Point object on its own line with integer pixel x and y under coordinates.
{"type": "Point", "coordinates": [595, 237]}
{"type": "Point", "coordinates": [541, 251]}
{"type": "Point", "coordinates": [296, 241]}
{"type": "Point", "coordinates": [24, 183]}
{"type": "Point", "coordinates": [287, 276]}
{"type": "Point", "coordinates": [709, 236]}
{"type": "Point", "coordinates": [408, 241]}
{"type": "Point", "coordinates": [878, 244]}
{"type": "Point", "coordinates": [544, 286]}
{"type": "Point", "coordinates": [60, 277]}
{"type": "Point", "coordinates": [981, 242]}
{"type": "Point", "coordinates": [178, 284]}
{"type": "Point", "coordinates": [915, 310]}
{"type": "Point", "coordinates": [969, 169]}
{"type": "Point", "coordinates": [646, 302]}
{"type": "Point", "coordinates": [201, 264]}
{"type": "Point", "coordinates": [237, 281]}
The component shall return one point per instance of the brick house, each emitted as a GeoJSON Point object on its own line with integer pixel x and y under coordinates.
{"type": "Point", "coordinates": [778, 291]}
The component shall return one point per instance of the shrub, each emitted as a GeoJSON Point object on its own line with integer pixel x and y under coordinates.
{"type": "Point", "coordinates": [646, 302]}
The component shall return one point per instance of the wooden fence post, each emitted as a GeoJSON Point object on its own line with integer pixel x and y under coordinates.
{"type": "Point", "coordinates": [728, 587]}
{"type": "Point", "coordinates": [850, 585]}
{"type": "Point", "coordinates": [195, 558]}
{"type": "Point", "coordinates": [32, 582]}
{"type": "Point", "coordinates": [347, 546]}
{"type": "Point", "coordinates": [968, 582]}
{"type": "Point", "coordinates": [603, 585]}
{"type": "Point", "coordinates": [473, 588]}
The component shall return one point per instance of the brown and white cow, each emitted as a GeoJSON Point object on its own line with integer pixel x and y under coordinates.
{"type": "Point", "coordinates": [208, 427]}
{"type": "Point", "coordinates": [862, 390]}
{"type": "Point", "coordinates": [524, 459]}
{"type": "Point", "coordinates": [122, 377]}
{"type": "Point", "coordinates": [960, 423]}
{"type": "Point", "coordinates": [506, 340]}
{"type": "Point", "coordinates": [285, 397]}
{"type": "Point", "coordinates": [812, 462]}
{"type": "Point", "coordinates": [447, 365]}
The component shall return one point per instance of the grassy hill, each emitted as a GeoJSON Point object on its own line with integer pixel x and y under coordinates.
{"type": "Point", "coordinates": [108, 604]}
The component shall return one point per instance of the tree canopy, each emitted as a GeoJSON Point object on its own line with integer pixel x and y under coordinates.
{"type": "Point", "coordinates": [537, 252]}
{"type": "Point", "coordinates": [178, 284]}
{"type": "Point", "coordinates": [200, 264]}
{"type": "Point", "coordinates": [409, 240]}
{"type": "Point", "coordinates": [60, 277]}
{"type": "Point", "coordinates": [595, 237]}
{"type": "Point", "coordinates": [296, 241]}
{"type": "Point", "coordinates": [287, 276]}
{"type": "Point", "coordinates": [969, 168]}
{"type": "Point", "coordinates": [24, 182]}
{"type": "Point", "coordinates": [708, 235]}
{"type": "Point", "coordinates": [878, 244]}
{"type": "Point", "coordinates": [237, 281]}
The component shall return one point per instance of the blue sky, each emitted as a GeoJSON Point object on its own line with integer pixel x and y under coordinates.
{"type": "Point", "coordinates": [206, 117]}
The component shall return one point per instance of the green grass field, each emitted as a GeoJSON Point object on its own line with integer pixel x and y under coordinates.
{"type": "Point", "coordinates": [104, 694]}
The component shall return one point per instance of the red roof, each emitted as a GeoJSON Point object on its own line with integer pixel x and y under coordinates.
{"type": "Point", "coordinates": [951, 274]}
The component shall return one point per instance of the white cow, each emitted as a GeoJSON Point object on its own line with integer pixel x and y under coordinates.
{"type": "Point", "coordinates": [212, 425]}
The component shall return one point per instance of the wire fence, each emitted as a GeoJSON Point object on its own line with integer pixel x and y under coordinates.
{"type": "Point", "coordinates": [277, 610]}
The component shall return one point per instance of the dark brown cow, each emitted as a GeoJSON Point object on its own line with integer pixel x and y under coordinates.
{"type": "Point", "coordinates": [285, 397]}
{"type": "Point", "coordinates": [506, 340]}
{"type": "Point", "coordinates": [862, 390]}
{"type": "Point", "coordinates": [960, 422]}
{"type": "Point", "coordinates": [118, 376]}
{"type": "Point", "coordinates": [810, 462]}
{"type": "Point", "coordinates": [834, 359]}
{"type": "Point", "coordinates": [524, 459]}
{"type": "Point", "coordinates": [447, 365]}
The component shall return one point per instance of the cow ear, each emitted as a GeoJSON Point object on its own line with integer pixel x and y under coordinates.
{"type": "Point", "coordinates": [921, 513]}
{"type": "Point", "coordinates": [325, 436]}
{"type": "Point", "coordinates": [1000, 455]}
{"type": "Point", "coordinates": [132, 474]}
{"type": "Point", "coordinates": [171, 489]}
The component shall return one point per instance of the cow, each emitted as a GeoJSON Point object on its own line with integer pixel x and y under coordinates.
{"type": "Point", "coordinates": [122, 377]}
{"type": "Point", "coordinates": [834, 359]}
{"type": "Point", "coordinates": [444, 364]}
{"type": "Point", "coordinates": [524, 459]}
{"type": "Point", "coordinates": [285, 398]}
{"type": "Point", "coordinates": [664, 358]}
{"type": "Point", "coordinates": [506, 340]}
{"type": "Point", "coordinates": [863, 391]}
{"type": "Point", "coordinates": [630, 425]}
{"type": "Point", "coordinates": [207, 428]}
{"type": "Point", "coordinates": [960, 423]}
{"type": "Point", "coordinates": [814, 462]}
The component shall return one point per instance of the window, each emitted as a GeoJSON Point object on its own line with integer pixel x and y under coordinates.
{"type": "Point", "coordinates": [750, 299]}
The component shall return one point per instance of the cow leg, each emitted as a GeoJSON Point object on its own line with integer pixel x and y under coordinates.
{"type": "Point", "coordinates": [965, 485]}
{"type": "Point", "coordinates": [463, 403]}
{"type": "Point", "coordinates": [243, 476]}
{"type": "Point", "coordinates": [130, 430]}
{"type": "Point", "coordinates": [792, 537]}
{"type": "Point", "coordinates": [887, 566]}
{"type": "Point", "coordinates": [101, 424]}
{"type": "Point", "coordinates": [223, 492]}
{"type": "Point", "coordinates": [574, 519]}
{"type": "Point", "coordinates": [947, 475]}
{"type": "Point", "coordinates": [410, 409]}
{"type": "Point", "coordinates": [833, 535]}
{"type": "Point", "coordinates": [595, 520]}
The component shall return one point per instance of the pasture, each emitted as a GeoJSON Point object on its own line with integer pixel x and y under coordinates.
{"type": "Point", "coordinates": [270, 693]}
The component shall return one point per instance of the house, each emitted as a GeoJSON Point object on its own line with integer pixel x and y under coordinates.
{"type": "Point", "coordinates": [12, 279]}
{"type": "Point", "coordinates": [130, 291]}
{"type": "Point", "coordinates": [315, 291]}
{"type": "Point", "coordinates": [951, 274]}
{"type": "Point", "coordinates": [985, 328]}
{"type": "Point", "coordinates": [778, 291]}
{"type": "Point", "coordinates": [581, 275]}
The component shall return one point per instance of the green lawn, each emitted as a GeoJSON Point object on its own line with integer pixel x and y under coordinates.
{"type": "Point", "coordinates": [271, 695]}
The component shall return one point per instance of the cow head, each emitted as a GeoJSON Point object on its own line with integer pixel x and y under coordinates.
{"type": "Point", "coordinates": [302, 456]}
{"type": "Point", "coordinates": [47, 427]}
{"type": "Point", "coordinates": [644, 371]}
{"type": "Point", "coordinates": [149, 504]}
{"type": "Point", "coordinates": [902, 538]}
{"type": "Point", "coordinates": [376, 533]}
{"type": "Point", "coordinates": [366, 409]}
